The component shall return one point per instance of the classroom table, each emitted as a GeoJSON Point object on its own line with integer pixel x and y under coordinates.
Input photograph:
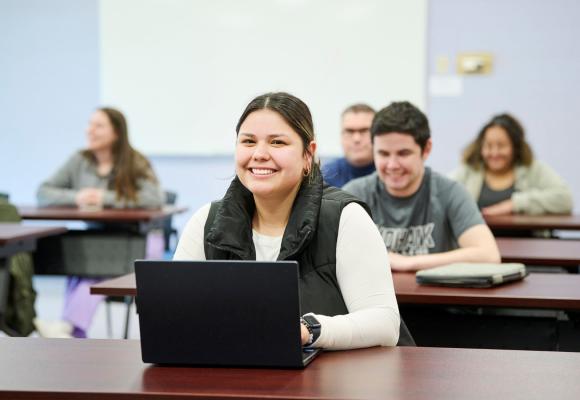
{"type": "Point", "coordinates": [143, 219]}
{"type": "Point", "coordinates": [115, 239]}
{"type": "Point", "coordinates": [536, 251]}
{"type": "Point", "coordinates": [538, 290]}
{"type": "Point", "coordinates": [533, 222]}
{"type": "Point", "coordinates": [16, 238]}
{"type": "Point", "coordinates": [540, 312]}
{"type": "Point", "coordinates": [110, 369]}
{"type": "Point", "coordinates": [121, 286]}
{"type": "Point", "coordinates": [424, 309]}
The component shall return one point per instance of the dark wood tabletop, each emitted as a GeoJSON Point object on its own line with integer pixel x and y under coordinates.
{"type": "Point", "coordinates": [104, 215]}
{"type": "Point", "coordinates": [10, 232]}
{"type": "Point", "coordinates": [537, 290]}
{"type": "Point", "coordinates": [121, 286]}
{"type": "Point", "coordinates": [550, 291]}
{"type": "Point", "coordinates": [111, 369]}
{"type": "Point", "coordinates": [531, 222]}
{"type": "Point", "coordinates": [535, 251]}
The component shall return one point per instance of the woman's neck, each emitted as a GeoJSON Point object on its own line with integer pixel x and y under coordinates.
{"type": "Point", "coordinates": [104, 160]}
{"type": "Point", "coordinates": [272, 214]}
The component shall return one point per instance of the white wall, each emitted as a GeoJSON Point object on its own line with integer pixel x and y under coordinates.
{"type": "Point", "coordinates": [49, 85]}
{"type": "Point", "coordinates": [184, 70]}
{"type": "Point", "coordinates": [535, 77]}
{"type": "Point", "coordinates": [50, 80]}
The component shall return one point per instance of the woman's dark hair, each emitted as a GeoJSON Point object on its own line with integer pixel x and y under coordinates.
{"type": "Point", "coordinates": [402, 117]}
{"type": "Point", "coordinates": [522, 152]}
{"type": "Point", "coordinates": [296, 114]}
{"type": "Point", "coordinates": [129, 165]}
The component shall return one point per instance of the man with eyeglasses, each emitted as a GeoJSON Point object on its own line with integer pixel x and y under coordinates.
{"type": "Point", "coordinates": [356, 143]}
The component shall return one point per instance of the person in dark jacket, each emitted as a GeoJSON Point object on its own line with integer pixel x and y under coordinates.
{"type": "Point", "coordinates": [277, 208]}
{"type": "Point", "coordinates": [355, 136]}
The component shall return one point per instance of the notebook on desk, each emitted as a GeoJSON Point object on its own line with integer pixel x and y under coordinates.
{"type": "Point", "coordinates": [472, 274]}
{"type": "Point", "coordinates": [220, 313]}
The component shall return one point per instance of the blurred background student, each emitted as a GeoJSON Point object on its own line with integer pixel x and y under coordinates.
{"type": "Point", "coordinates": [500, 172]}
{"type": "Point", "coordinates": [356, 143]}
{"type": "Point", "coordinates": [109, 173]}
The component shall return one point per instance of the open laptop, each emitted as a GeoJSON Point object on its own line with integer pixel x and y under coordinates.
{"type": "Point", "coordinates": [220, 313]}
{"type": "Point", "coordinates": [479, 275]}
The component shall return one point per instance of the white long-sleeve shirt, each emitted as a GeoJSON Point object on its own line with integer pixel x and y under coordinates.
{"type": "Point", "coordinates": [362, 271]}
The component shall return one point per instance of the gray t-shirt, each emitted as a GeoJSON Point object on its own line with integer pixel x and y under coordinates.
{"type": "Point", "coordinates": [489, 197]}
{"type": "Point", "coordinates": [429, 221]}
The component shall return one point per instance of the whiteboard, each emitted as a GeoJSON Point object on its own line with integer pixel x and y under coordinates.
{"type": "Point", "coordinates": [183, 70]}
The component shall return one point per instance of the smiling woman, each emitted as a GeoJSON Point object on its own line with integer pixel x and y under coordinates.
{"type": "Point", "coordinates": [272, 159]}
{"type": "Point", "coordinates": [501, 174]}
{"type": "Point", "coordinates": [108, 173]}
{"type": "Point", "coordinates": [266, 155]}
{"type": "Point", "coordinates": [277, 208]}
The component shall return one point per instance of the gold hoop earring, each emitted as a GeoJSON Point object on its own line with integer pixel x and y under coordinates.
{"type": "Point", "coordinates": [306, 172]}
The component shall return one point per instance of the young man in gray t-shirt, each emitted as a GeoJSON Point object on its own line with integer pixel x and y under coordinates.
{"type": "Point", "coordinates": [426, 219]}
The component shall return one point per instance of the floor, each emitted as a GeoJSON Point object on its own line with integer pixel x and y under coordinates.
{"type": "Point", "coordinates": [49, 302]}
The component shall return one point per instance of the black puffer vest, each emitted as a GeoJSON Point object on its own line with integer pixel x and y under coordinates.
{"type": "Point", "coordinates": [310, 238]}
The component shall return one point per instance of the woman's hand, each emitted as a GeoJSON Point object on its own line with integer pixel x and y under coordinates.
{"type": "Point", "coordinates": [502, 208]}
{"type": "Point", "coordinates": [89, 197]}
{"type": "Point", "coordinates": [304, 334]}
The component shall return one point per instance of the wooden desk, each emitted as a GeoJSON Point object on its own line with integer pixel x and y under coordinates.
{"type": "Point", "coordinates": [110, 369]}
{"type": "Point", "coordinates": [122, 286]}
{"type": "Point", "coordinates": [15, 238]}
{"type": "Point", "coordinates": [107, 249]}
{"type": "Point", "coordinates": [549, 291]}
{"type": "Point", "coordinates": [554, 252]}
{"type": "Point", "coordinates": [145, 218]}
{"type": "Point", "coordinates": [533, 222]}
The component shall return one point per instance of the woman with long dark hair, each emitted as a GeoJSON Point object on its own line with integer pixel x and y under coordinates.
{"type": "Point", "coordinates": [109, 173]}
{"type": "Point", "coordinates": [277, 208]}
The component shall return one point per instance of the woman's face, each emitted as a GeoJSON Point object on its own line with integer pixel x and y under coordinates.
{"type": "Point", "coordinates": [100, 132]}
{"type": "Point", "coordinates": [497, 150]}
{"type": "Point", "coordinates": [270, 157]}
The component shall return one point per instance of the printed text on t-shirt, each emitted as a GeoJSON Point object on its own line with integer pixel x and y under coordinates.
{"type": "Point", "coordinates": [409, 241]}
